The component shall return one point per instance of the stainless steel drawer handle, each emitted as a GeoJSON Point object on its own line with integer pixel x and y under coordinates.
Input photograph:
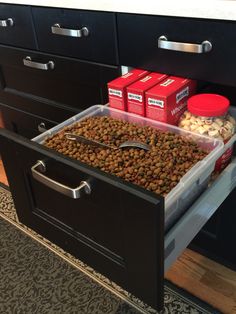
{"type": "Point", "coordinates": [7, 23]}
{"type": "Point", "coordinates": [58, 30]}
{"type": "Point", "coordinates": [42, 127]}
{"type": "Point", "coordinates": [164, 43]}
{"type": "Point", "coordinates": [59, 187]}
{"type": "Point", "coordinates": [38, 65]}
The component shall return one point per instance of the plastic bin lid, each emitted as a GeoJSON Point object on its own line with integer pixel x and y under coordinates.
{"type": "Point", "coordinates": [208, 105]}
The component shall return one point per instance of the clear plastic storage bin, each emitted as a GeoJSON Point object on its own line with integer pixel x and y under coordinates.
{"type": "Point", "coordinates": [190, 185]}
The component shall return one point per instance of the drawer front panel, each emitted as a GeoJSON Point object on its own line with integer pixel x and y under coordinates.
{"type": "Point", "coordinates": [23, 123]}
{"type": "Point", "coordinates": [36, 106]}
{"type": "Point", "coordinates": [118, 229]}
{"type": "Point", "coordinates": [68, 83]}
{"type": "Point", "coordinates": [138, 46]}
{"type": "Point", "coordinates": [97, 43]}
{"type": "Point", "coordinates": [16, 26]}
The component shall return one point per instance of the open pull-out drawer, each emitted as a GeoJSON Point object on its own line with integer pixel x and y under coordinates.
{"type": "Point", "coordinates": [116, 228]}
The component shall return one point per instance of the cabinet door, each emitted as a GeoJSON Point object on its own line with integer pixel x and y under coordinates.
{"type": "Point", "coordinates": [37, 83]}
{"type": "Point", "coordinates": [87, 35]}
{"type": "Point", "coordinates": [23, 123]}
{"type": "Point", "coordinates": [16, 26]}
{"type": "Point", "coordinates": [179, 46]}
{"type": "Point", "coordinates": [118, 228]}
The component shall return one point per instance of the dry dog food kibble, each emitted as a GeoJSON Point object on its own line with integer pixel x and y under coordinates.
{"type": "Point", "coordinates": [158, 169]}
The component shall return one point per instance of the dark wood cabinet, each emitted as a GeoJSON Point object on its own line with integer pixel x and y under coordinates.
{"type": "Point", "coordinates": [53, 93]}
{"type": "Point", "coordinates": [118, 229]}
{"type": "Point", "coordinates": [77, 33]}
{"type": "Point", "coordinates": [16, 27]}
{"type": "Point", "coordinates": [138, 46]}
{"type": "Point", "coordinates": [23, 123]}
{"type": "Point", "coordinates": [46, 84]}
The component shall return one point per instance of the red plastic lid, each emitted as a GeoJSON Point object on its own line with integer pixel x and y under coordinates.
{"type": "Point", "coordinates": [208, 105]}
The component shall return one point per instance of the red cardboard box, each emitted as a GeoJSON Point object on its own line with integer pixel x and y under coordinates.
{"type": "Point", "coordinates": [117, 88]}
{"type": "Point", "coordinates": [136, 92]}
{"type": "Point", "coordinates": [167, 101]}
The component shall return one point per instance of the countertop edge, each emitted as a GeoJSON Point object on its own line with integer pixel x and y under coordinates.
{"type": "Point", "coordinates": [211, 9]}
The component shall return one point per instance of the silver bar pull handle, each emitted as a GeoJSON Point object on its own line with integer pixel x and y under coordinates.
{"type": "Point", "coordinates": [56, 186]}
{"type": "Point", "coordinates": [7, 23]}
{"type": "Point", "coordinates": [58, 30]}
{"type": "Point", "coordinates": [164, 43]}
{"type": "Point", "coordinates": [42, 127]}
{"type": "Point", "coordinates": [38, 65]}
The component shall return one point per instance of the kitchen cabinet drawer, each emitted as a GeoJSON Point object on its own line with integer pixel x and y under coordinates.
{"type": "Point", "coordinates": [80, 34]}
{"type": "Point", "coordinates": [23, 123]}
{"type": "Point", "coordinates": [140, 46]}
{"type": "Point", "coordinates": [16, 26]}
{"type": "Point", "coordinates": [116, 227]}
{"type": "Point", "coordinates": [51, 81]}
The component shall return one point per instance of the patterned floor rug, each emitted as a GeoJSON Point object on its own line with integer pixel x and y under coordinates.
{"type": "Point", "coordinates": [36, 276]}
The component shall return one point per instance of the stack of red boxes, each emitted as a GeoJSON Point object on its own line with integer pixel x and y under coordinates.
{"type": "Point", "coordinates": [154, 95]}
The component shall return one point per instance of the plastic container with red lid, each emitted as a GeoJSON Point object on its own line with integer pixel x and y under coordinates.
{"type": "Point", "coordinates": [208, 115]}
{"type": "Point", "coordinates": [208, 105]}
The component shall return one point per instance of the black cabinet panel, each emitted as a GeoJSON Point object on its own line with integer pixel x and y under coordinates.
{"type": "Point", "coordinates": [17, 26]}
{"type": "Point", "coordinates": [24, 123]}
{"type": "Point", "coordinates": [217, 238]}
{"type": "Point", "coordinates": [99, 45]}
{"type": "Point", "coordinates": [71, 84]}
{"type": "Point", "coordinates": [118, 229]}
{"type": "Point", "coordinates": [36, 106]}
{"type": "Point", "coordinates": [138, 46]}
